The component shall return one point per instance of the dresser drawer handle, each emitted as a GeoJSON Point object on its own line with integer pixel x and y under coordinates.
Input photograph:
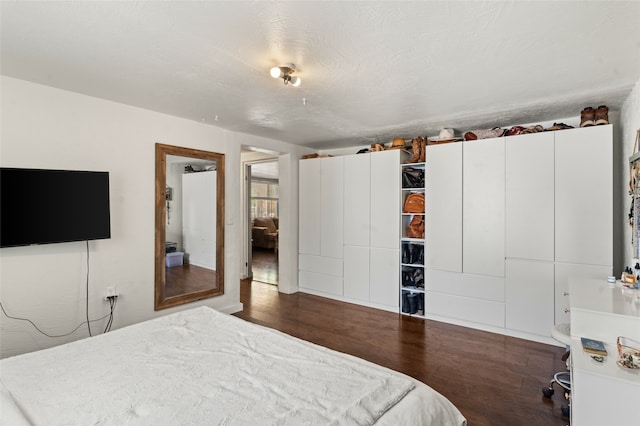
{"type": "Point", "coordinates": [566, 310]}
{"type": "Point", "coordinates": [566, 293]}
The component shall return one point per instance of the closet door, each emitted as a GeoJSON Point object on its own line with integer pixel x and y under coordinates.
{"type": "Point", "coordinates": [356, 273]}
{"type": "Point", "coordinates": [384, 277]}
{"type": "Point", "coordinates": [385, 199]}
{"type": "Point", "coordinates": [443, 215]}
{"type": "Point", "coordinates": [483, 186]}
{"type": "Point", "coordinates": [309, 207]}
{"type": "Point", "coordinates": [529, 296]}
{"type": "Point", "coordinates": [331, 206]}
{"type": "Point", "coordinates": [530, 196]}
{"type": "Point", "coordinates": [357, 200]}
{"type": "Point", "coordinates": [584, 195]}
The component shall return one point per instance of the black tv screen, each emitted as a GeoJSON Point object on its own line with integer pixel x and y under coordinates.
{"type": "Point", "coordinates": [53, 206]}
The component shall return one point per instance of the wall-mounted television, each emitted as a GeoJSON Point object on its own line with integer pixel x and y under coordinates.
{"type": "Point", "coordinates": [53, 206]}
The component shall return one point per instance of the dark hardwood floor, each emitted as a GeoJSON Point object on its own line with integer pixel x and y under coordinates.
{"type": "Point", "coordinates": [264, 264]}
{"type": "Point", "coordinates": [493, 379]}
{"type": "Point", "coordinates": [187, 279]}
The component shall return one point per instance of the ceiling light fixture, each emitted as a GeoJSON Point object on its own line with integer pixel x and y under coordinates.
{"type": "Point", "coordinates": [285, 73]}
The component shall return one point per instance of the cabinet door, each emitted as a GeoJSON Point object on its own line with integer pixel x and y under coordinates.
{"type": "Point", "coordinates": [483, 186]}
{"type": "Point", "coordinates": [357, 199]}
{"type": "Point", "coordinates": [563, 272]}
{"type": "Point", "coordinates": [384, 276]}
{"type": "Point", "coordinates": [584, 196]}
{"type": "Point", "coordinates": [385, 199]}
{"type": "Point", "coordinates": [530, 196]}
{"type": "Point", "coordinates": [356, 273]}
{"type": "Point", "coordinates": [529, 296]}
{"type": "Point", "coordinates": [309, 207]}
{"type": "Point", "coordinates": [331, 206]}
{"type": "Point", "coordinates": [443, 216]}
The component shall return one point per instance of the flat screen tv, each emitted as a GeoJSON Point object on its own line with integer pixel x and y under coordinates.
{"type": "Point", "coordinates": [53, 206]}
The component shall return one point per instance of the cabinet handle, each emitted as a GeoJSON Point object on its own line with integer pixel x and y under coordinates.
{"type": "Point", "coordinates": [566, 310]}
{"type": "Point", "coordinates": [566, 293]}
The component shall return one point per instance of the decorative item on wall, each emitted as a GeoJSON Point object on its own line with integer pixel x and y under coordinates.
{"type": "Point", "coordinates": [634, 192]}
{"type": "Point", "coordinates": [285, 73]}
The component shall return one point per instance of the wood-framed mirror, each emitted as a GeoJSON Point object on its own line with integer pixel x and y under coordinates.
{"type": "Point", "coordinates": [189, 240]}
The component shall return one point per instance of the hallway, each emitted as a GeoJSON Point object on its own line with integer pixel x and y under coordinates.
{"type": "Point", "coordinates": [265, 265]}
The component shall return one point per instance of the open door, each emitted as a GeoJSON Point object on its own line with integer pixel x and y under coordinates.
{"type": "Point", "coordinates": [247, 191]}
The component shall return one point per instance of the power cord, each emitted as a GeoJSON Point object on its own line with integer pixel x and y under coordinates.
{"type": "Point", "coordinates": [51, 335]}
{"type": "Point", "coordinates": [87, 299]}
{"type": "Point", "coordinates": [112, 305]}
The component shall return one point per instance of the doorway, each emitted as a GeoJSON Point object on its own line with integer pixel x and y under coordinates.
{"type": "Point", "coordinates": [262, 212]}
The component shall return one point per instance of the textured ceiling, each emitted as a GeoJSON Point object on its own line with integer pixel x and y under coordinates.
{"type": "Point", "coordinates": [370, 71]}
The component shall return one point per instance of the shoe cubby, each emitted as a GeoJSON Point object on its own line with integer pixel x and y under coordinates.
{"type": "Point", "coordinates": [412, 272]}
{"type": "Point", "coordinates": [412, 302]}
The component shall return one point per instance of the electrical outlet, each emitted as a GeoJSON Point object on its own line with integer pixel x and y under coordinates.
{"type": "Point", "coordinates": [111, 291]}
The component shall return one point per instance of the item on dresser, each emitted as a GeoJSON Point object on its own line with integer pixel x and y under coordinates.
{"type": "Point", "coordinates": [397, 143]}
{"type": "Point", "coordinates": [628, 349]}
{"type": "Point", "coordinates": [412, 177]}
{"type": "Point", "coordinates": [558, 126]}
{"type": "Point", "coordinates": [418, 145]}
{"type": "Point", "coordinates": [593, 346]}
{"type": "Point", "coordinates": [416, 227]}
{"type": "Point", "coordinates": [515, 130]}
{"type": "Point", "coordinates": [601, 115]}
{"type": "Point", "coordinates": [445, 136]}
{"type": "Point", "coordinates": [587, 117]}
{"type": "Point", "coordinates": [473, 135]}
{"type": "Point", "coordinates": [414, 203]}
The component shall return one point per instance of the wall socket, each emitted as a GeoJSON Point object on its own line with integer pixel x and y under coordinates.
{"type": "Point", "coordinates": [111, 291]}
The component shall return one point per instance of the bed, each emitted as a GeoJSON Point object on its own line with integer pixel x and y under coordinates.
{"type": "Point", "coordinates": [201, 366]}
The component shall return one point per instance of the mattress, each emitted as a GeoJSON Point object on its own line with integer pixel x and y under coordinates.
{"type": "Point", "coordinates": [201, 366]}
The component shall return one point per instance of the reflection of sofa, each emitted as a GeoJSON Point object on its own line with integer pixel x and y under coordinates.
{"type": "Point", "coordinates": [265, 232]}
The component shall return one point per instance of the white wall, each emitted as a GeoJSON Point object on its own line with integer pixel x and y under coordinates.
{"type": "Point", "coordinates": [43, 127]}
{"type": "Point", "coordinates": [630, 123]}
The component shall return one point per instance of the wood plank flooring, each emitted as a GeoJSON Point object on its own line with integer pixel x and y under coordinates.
{"type": "Point", "coordinates": [493, 379]}
{"type": "Point", "coordinates": [264, 264]}
{"type": "Point", "coordinates": [188, 278]}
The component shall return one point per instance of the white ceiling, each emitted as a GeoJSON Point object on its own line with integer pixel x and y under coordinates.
{"type": "Point", "coordinates": [371, 71]}
{"type": "Point", "coordinates": [265, 170]}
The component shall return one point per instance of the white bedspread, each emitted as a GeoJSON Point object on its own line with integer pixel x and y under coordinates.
{"type": "Point", "coordinates": [203, 367]}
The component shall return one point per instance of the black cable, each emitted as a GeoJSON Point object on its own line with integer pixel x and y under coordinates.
{"type": "Point", "coordinates": [112, 302]}
{"type": "Point", "coordinates": [87, 301]}
{"type": "Point", "coordinates": [48, 335]}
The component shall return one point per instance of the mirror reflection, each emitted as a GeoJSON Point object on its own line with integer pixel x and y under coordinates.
{"type": "Point", "coordinates": [189, 225]}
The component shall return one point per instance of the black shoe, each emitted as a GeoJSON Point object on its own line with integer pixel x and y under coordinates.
{"type": "Point", "coordinates": [406, 253]}
{"type": "Point", "coordinates": [413, 303]}
{"type": "Point", "coordinates": [405, 302]}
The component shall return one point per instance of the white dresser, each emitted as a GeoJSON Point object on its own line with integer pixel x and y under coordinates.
{"type": "Point", "coordinates": [603, 393]}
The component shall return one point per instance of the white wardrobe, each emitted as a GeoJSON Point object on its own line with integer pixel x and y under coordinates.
{"type": "Point", "coordinates": [199, 218]}
{"type": "Point", "coordinates": [350, 228]}
{"type": "Point", "coordinates": [509, 220]}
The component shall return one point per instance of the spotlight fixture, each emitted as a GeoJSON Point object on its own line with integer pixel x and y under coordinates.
{"type": "Point", "coordinates": [285, 73]}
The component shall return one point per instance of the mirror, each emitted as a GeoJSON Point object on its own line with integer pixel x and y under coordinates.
{"type": "Point", "coordinates": [189, 246]}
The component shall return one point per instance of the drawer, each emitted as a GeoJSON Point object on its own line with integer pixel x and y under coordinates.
{"type": "Point", "coordinates": [321, 265]}
{"type": "Point", "coordinates": [474, 286]}
{"type": "Point", "coordinates": [320, 282]}
{"type": "Point", "coordinates": [465, 308]}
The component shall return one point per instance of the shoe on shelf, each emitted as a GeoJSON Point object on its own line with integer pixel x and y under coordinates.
{"type": "Point", "coordinates": [587, 117]}
{"type": "Point", "coordinates": [602, 115]}
{"type": "Point", "coordinates": [558, 126]}
{"type": "Point", "coordinates": [416, 144]}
